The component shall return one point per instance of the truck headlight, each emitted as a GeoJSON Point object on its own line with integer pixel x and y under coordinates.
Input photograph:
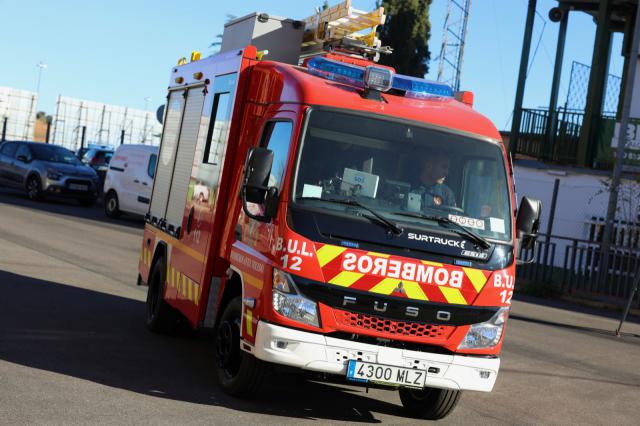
{"type": "Point", "coordinates": [485, 334]}
{"type": "Point", "coordinates": [288, 302]}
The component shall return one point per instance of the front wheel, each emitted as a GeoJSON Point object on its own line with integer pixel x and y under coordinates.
{"type": "Point", "coordinates": [429, 403]}
{"type": "Point", "coordinates": [239, 373]}
{"type": "Point", "coordinates": [111, 205]}
{"type": "Point", "coordinates": [34, 188]}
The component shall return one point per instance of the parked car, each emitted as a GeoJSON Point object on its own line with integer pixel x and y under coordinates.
{"type": "Point", "coordinates": [44, 170]}
{"type": "Point", "coordinates": [98, 158]}
{"type": "Point", "coordinates": [80, 152]}
{"type": "Point", "coordinates": [129, 180]}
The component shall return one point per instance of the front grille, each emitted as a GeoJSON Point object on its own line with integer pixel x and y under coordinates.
{"type": "Point", "coordinates": [392, 329]}
{"type": "Point", "coordinates": [79, 182]}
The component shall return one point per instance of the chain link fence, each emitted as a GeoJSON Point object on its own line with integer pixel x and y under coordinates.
{"type": "Point", "coordinates": [568, 257]}
{"type": "Point", "coordinates": [579, 87]}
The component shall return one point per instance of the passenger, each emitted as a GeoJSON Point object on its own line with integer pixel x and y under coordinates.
{"type": "Point", "coordinates": [434, 171]}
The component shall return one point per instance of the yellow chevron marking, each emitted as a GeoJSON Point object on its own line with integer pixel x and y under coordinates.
{"type": "Point", "coordinates": [196, 296]}
{"type": "Point", "coordinates": [426, 262]}
{"type": "Point", "coordinates": [253, 281]}
{"type": "Point", "coordinates": [453, 295]}
{"type": "Point", "coordinates": [346, 278]}
{"type": "Point", "coordinates": [371, 253]}
{"type": "Point", "coordinates": [327, 253]}
{"type": "Point", "coordinates": [184, 285]}
{"type": "Point", "coordinates": [386, 286]}
{"type": "Point", "coordinates": [476, 277]}
{"type": "Point", "coordinates": [413, 290]}
{"type": "Point", "coordinates": [249, 321]}
{"type": "Point", "coordinates": [190, 289]}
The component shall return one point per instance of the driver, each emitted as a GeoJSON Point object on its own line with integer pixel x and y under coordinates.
{"type": "Point", "coordinates": [432, 188]}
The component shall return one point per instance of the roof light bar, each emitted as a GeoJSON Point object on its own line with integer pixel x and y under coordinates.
{"type": "Point", "coordinates": [420, 88]}
{"type": "Point", "coordinates": [354, 75]}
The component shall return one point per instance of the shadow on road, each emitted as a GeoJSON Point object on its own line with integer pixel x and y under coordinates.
{"type": "Point", "coordinates": [67, 207]}
{"type": "Point", "coordinates": [102, 338]}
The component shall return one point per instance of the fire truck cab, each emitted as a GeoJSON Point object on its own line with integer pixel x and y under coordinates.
{"type": "Point", "coordinates": [357, 222]}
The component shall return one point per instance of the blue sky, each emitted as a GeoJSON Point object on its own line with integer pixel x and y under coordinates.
{"type": "Point", "coordinates": [121, 52]}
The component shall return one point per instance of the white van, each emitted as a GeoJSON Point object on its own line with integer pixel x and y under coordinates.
{"type": "Point", "coordinates": [129, 181]}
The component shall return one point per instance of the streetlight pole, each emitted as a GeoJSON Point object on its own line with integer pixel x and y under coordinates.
{"type": "Point", "coordinates": [41, 66]}
{"type": "Point", "coordinates": [146, 118]}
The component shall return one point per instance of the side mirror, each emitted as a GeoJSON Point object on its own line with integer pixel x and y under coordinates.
{"type": "Point", "coordinates": [23, 158]}
{"type": "Point", "coordinates": [255, 188]}
{"type": "Point", "coordinates": [256, 174]}
{"type": "Point", "coordinates": [528, 222]}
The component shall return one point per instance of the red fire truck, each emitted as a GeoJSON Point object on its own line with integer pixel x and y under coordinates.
{"type": "Point", "coordinates": [358, 222]}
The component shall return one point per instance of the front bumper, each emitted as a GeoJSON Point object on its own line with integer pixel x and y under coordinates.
{"type": "Point", "coordinates": [61, 188]}
{"type": "Point", "coordinates": [316, 352]}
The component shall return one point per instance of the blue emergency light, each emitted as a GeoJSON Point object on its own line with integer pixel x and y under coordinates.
{"type": "Point", "coordinates": [356, 76]}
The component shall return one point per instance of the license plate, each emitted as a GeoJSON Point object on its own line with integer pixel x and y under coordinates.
{"type": "Point", "coordinates": [77, 187]}
{"type": "Point", "coordinates": [386, 374]}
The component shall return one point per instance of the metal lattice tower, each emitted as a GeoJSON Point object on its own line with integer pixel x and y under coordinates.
{"type": "Point", "coordinates": [453, 38]}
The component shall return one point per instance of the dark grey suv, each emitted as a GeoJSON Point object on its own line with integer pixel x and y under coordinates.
{"type": "Point", "coordinates": [43, 170]}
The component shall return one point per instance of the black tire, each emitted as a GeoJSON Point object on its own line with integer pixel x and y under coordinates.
{"type": "Point", "coordinates": [160, 316]}
{"type": "Point", "coordinates": [34, 188]}
{"type": "Point", "coordinates": [429, 403]}
{"type": "Point", "coordinates": [239, 373]}
{"type": "Point", "coordinates": [112, 205]}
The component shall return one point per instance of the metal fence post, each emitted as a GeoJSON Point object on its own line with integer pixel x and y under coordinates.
{"type": "Point", "coordinates": [84, 132]}
{"type": "Point", "coordinates": [4, 129]}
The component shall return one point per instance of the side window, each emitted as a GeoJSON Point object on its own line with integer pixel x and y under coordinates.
{"type": "Point", "coordinates": [24, 150]}
{"type": "Point", "coordinates": [277, 137]}
{"type": "Point", "coordinates": [9, 149]}
{"type": "Point", "coordinates": [151, 169]}
{"type": "Point", "coordinates": [221, 114]}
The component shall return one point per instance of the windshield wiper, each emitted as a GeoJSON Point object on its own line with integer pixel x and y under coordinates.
{"type": "Point", "coordinates": [351, 202]}
{"type": "Point", "coordinates": [458, 229]}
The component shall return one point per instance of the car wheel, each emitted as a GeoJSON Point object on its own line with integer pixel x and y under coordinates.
{"type": "Point", "coordinates": [34, 188]}
{"type": "Point", "coordinates": [429, 403]}
{"type": "Point", "coordinates": [111, 205]}
{"type": "Point", "coordinates": [239, 373]}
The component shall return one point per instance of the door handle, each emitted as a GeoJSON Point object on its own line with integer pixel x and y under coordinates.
{"type": "Point", "coordinates": [136, 181]}
{"type": "Point", "coordinates": [145, 183]}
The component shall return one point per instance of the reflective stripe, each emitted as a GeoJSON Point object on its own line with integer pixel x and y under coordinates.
{"type": "Point", "coordinates": [476, 277]}
{"type": "Point", "coordinates": [327, 253]}
{"type": "Point", "coordinates": [453, 295]}
{"type": "Point", "coordinates": [346, 278]}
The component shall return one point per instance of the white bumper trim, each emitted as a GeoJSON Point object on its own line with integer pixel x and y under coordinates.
{"type": "Point", "coordinates": [315, 352]}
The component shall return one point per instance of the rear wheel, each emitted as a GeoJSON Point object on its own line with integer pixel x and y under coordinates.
{"type": "Point", "coordinates": [111, 205]}
{"type": "Point", "coordinates": [34, 188]}
{"type": "Point", "coordinates": [159, 313]}
{"type": "Point", "coordinates": [429, 403]}
{"type": "Point", "coordinates": [239, 373]}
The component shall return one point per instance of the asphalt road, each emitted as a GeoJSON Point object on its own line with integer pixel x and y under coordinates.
{"type": "Point", "coordinates": [74, 348]}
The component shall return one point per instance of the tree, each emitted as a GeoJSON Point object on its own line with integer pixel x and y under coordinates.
{"type": "Point", "coordinates": [407, 30]}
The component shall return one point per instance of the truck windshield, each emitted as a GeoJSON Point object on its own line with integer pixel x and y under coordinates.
{"type": "Point", "coordinates": [409, 174]}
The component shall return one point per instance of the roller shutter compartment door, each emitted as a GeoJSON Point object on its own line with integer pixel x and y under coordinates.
{"type": "Point", "coordinates": [164, 171]}
{"type": "Point", "coordinates": [184, 156]}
